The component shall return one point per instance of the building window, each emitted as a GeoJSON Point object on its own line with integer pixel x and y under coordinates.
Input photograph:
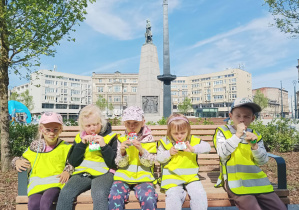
{"type": "Point", "coordinates": [47, 106]}
{"type": "Point", "coordinates": [117, 89]}
{"type": "Point", "coordinates": [100, 80]}
{"type": "Point", "coordinates": [134, 89]}
{"type": "Point", "coordinates": [116, 99]}
{"type": "Point", "coordinates": [61, 106]}
{"type": "Point", "coordinates": [49, 90]}
{"type": "Point", "coordinates": [75, 85]}
{"type": "Point", "coordinates": [100, 89]}
{"type": "Point", "coordinates": [75, 92]}
{"type": "Point", "coordinates": [75, 99]}
{"type": "Point", "coordinates": [49, 82]}
{"type": "Point", "coordinates": [217, 97]}
{"type": "Point", "coordinates": [218, 82]}
{"type": "Point", "coordinates": [74, 106]}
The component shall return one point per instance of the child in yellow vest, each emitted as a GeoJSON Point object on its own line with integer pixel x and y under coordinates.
{"type": "Point", "coordinates": [136, 156]}
{"type": "Point", "coordinates": [46, 158]}
{"type": "Point", "coordinates": [93, 156]}
{"type": "Point", "coordinates": [177, 153]}
{"type": "Point", "coordinates": [241, 150]}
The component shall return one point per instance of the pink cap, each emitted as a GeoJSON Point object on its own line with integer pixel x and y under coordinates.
{"type": "Point", "coordinates": [132, 113]}
{"type": "Point", "coordinates": [50, 117]}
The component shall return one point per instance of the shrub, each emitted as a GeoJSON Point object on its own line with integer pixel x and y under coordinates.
{"type": "Point", "coordinates": [70, 122]}
{"type": "Point", "coordinates": [150, 123]}
{"type": "Point", "coordinates": [20, 137]}
{"type": "Point", "coordinates": [278, 135]}
{"type": "Point", "coordinates": [114, 121]}
{"type": "Point", "coordinates": [163, 121]}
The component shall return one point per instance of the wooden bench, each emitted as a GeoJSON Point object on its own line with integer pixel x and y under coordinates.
{"type": "Point", "coordinates": [208, 172]}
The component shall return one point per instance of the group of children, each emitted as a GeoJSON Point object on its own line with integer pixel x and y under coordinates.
{"type": "Point", "coordinates": [112, 165]}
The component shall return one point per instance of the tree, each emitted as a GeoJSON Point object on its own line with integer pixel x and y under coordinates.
{"type": "Point", "coordinates": [27, 100]}
{"type": "Point", "coordinates": [14, 96]}
{"type": "Point", "coordinates": [184, 106]}
{"type": "Point", "coordinates": [29, 29]}
{"type": "Point", "coordinates": [260, 99]}
{"type": "Point", "coordinates": [286, 15]}
{"type": "Point", "coordinates": [102, 103]}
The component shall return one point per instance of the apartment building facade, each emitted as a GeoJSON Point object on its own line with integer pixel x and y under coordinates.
{"type": "Point", "coordinates": [212, 94]}
{"type": "Point", "coordinates": [275, 103]}
{"type": "Point", "coordinates": [117, 88]}
{"type": "Point", "coordinates": [59, 92]}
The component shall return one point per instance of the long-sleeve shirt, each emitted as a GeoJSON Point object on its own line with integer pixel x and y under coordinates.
{"type": "Point", "coordinates": [108, 151]}
{"type": "Point", "coordinates": [147, 159]}
{"type": "Point", "coordinates": [40, 146]}
{"type": "Point", "coordinates": [225, 147]}
{"type": "Point", "coordinates": [164, 156]}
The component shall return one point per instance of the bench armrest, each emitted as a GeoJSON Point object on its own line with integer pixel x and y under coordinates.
{"type": "Point", "coordinates": [281, 171]}
{"type": "Point", "coordinates": [22, 183]}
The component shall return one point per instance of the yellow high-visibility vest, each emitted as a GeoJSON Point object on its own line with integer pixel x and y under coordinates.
{"type": "Point", "coordinates": [135, 172]}
{"type": "Point", "coordinates": [243, 175]}
{"type": "Point", "coordinates": [93, 162]}
{"type": "Point", "coordinates": [46, 166]}
{"type": "Point", "coordinates": [182, 168]}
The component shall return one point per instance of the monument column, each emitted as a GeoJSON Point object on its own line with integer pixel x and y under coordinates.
{"type": "Point", "coordinates": [149, 90]}
{"type": "Point", "coordinates": [166, 77]}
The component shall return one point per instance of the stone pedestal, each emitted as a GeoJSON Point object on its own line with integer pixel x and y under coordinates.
{"type": "Point", "coordinates": [149, 91]}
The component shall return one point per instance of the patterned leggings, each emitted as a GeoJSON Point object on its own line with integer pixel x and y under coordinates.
{"type": "Point", "coordinates": [144, 192]}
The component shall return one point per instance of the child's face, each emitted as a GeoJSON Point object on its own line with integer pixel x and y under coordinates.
{"type": "Point", "coordinates": [51, 132]}
{"type": "Point", "coordinates": [92, 125]}
{"type": "Point", "coordinates": [179, 135]}
{"type": "Point", "coordinates": [242, 115]}
{"type": "Point", "coordinates": [134, 126]}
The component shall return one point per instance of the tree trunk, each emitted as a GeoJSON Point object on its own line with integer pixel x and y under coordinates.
{"type": "Point", "coordinates": [4, 81]}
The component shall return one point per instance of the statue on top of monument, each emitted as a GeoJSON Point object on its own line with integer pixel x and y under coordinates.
{"type": "Point", "coordinates": [148, 33]}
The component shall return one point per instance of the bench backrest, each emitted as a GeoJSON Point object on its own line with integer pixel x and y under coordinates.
{"type": "Point", "coordinates": [208, 162]}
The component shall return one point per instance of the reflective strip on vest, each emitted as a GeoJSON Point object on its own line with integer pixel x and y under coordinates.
{"type": "Point", "coordinates": [97, 166]}
{"type": "Point", "coordinates": [42, 183]}
{"type": "Point", "coordinates": [173, 182]}
{"type": "Point", "coordinates": [249, 183]}
{"type": "Point", "coordinates": [123, 173]}
{"type": "Point", "coordinates": [181, 171]}
{"type": "Point", "coordinates": [243, 169]}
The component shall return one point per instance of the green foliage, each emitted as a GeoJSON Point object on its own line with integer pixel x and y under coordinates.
{"type": "Point", "coordinates": [27, 100]}
{"type": "Point", "coordinates": [114, 121]}
{"type": "Point", "coordinates": [162, 121]}
{"type": "Point", "coordinates": [102, 103]}
{"type": "Point", "coordinates": [260, 99]}
{"type": "Point", "coordinates": [70, 122]}
{"type": "Point", "coordinates": [207, 122]}
{"type": "Point", "coordinates": [20, 137]}
{"type": "Point", "coordinates": [278, 135]}
{"type": "Point", "coordinates": [150, 123]}
{"type": "Point", "coordinates": [14, 96]}
{"type": "Point", "coordinates": [185, 106]}
{"type": "Point", "coordinates": [285, 14]}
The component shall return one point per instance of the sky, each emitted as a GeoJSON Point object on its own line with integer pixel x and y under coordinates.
{"type": "Point", "coordinates": [205, 36]}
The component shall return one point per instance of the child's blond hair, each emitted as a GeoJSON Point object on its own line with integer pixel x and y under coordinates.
{"type": "Point", "coordinates": [88, 111]}
{"type": "Point", "coordinates": [178, 125]}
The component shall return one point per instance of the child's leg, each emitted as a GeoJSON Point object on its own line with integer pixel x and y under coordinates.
{"type": "Point", "coordinates": [34, 201]}
{"type": "Point", "coordinates": [74, 187]}
{"type": "Point", "coordinates": [119, 194]}
{"type": "Point", "coordinates": [145, 193]}
{"type": "Point", "coordinates": [49, 196]}
{"type": "Point", "coordinates": [270, 201]}
{"type": "Point", "coordinates": [175, 198]}
{"type": "Point", "coordinates": [100, 189]}
{"type": "Point", "coordinates": [198, 196]}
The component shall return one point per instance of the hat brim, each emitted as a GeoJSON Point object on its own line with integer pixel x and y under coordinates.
{"type": "Point", "coordinates": [255, 108]}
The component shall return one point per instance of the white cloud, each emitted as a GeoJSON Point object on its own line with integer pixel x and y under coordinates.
{"type": "Point", "coordinates": [123, 20]}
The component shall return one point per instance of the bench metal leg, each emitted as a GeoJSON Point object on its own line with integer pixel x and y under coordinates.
{"type": "Point", "coordinates": [281, 171]}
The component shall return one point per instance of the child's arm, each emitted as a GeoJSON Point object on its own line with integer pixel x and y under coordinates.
{"type": "Point", "coordinates": [64, 177]}
{"type": "Point", "coordinates": [77, 154]}
{"type": "Point", "coordinates": [147, 159]}
{"type": "Point", "coordinates": [163, 155]}
{"type": "Point", "coordinates": [202, 147]}
{"type": "Point", "coordinates": [226, 146]}
{"type": "Point", "coordinates": [109, 153]}
{"type": "Point", "coordinates": [260, 155]}
{"type": "Point", "coordinates": [22, 164]}
{"type": "Point", "coordinates": [121, 160]}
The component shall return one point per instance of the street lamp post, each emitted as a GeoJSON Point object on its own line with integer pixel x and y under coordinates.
{"type": "Point", "coordinates": [295, 98]}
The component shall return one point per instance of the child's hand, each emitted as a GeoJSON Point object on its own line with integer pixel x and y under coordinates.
{"type": "Point", "coordinates": [138, 146]}
{"type": "Point", "coordinates": [124, 145]}
{"type": "Point", "coordinates": [87, 139]}
{"type": "Point", "coordinates": [240, 128]}
{"type": "Point", "coordinates": [64, 177]}
{"type": "Point", "coordinates": [173, 151]}
{"type": "Point", "coordinates": [100, 140]}
{"type": "Point", "coordinates": [22, 165]}
{"type": "Point", "coordinates": [251, 137]}
{"type": "Point", "coordinates": [189, 147]}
